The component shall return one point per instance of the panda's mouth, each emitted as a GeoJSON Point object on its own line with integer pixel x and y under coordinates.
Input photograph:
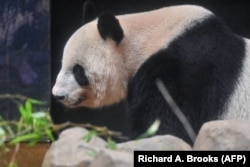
{"type": "Point", "coordinates": [79, 100]}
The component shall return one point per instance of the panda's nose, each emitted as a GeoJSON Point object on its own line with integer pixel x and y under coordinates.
{"type": "Point", "coordinates": [57, 93]}
{"type": "Point", "coordinates": [60, 97]}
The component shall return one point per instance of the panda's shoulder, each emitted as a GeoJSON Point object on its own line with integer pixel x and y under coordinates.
{"type": "Point", "coordinates": [200, 45]}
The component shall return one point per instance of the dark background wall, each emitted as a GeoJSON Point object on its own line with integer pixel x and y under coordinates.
{"type": "Point", "coordinates": [24, 53]}
{"type": "Point", "coordinates": [66, 17]}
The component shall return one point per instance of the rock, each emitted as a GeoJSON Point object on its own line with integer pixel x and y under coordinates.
{"type": "Point", "coordinates": [70, 150]}
{"type": "Point", "coordinates": [166, 142]}
{"type": "Point", "coordinates": [224, 135]}
{"type": "Point", "coordinates": [110, 158]}
{"type": "Point", "coordinates": [78, 133]}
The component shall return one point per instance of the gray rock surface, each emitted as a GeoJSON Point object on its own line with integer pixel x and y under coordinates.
{"type": "Point", "coordinates": [70, 150]}
{"type": "Point", "coordinates": [164, 142]}
{"type": "Point", "coordinates": [113, 158]}
{"type": "Point", "coordinates": [224, 135]}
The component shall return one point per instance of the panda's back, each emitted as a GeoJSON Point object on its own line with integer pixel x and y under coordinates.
{"type": "Point", "coordinates": [201, 69]}
{"type": "Point", "coordinates": [147, 32]}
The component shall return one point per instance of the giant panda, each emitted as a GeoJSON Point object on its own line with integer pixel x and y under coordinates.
{"type": "Point", "coordinates": [202, 63]}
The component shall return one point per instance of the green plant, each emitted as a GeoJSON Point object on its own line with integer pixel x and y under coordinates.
{"type": "Point", "coordinates": [103, 131]}
{"type": "Point", "coordinates": [35, 125]}
{"type": "Point", "coordinates": [32, 126]}
{"type": "Point", "coordinates": [153, 128]}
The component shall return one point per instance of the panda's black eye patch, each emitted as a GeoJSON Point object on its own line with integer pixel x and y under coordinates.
{"type": "Point", "coordinates": [79, 74]}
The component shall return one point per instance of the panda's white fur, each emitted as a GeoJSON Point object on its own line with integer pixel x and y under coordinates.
{"type": "Point", "coordinates": [104, 68]}
{"type": "Point", "coordinates": [109, 66]}
{"type": "Point", "coordinates": [113, 68]}
{"type": "Point", "coordinates": [238, 106]}
{"type": "Point", "coordinates": [148, 32]}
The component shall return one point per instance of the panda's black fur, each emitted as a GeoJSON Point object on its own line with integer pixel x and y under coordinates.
{"type": "Point", "coordinates": [199, 68]}
{"type": "Point", "coordinates": [79, 74]}
{"type": "Point", "coordinates": [108, 26]}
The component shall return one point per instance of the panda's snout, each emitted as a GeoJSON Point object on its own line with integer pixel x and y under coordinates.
{"type": "Point", "coordinates": [71, 100]}
{"type": "Point", "coordinates": [56, 94]}
{"type": "Point", "coordinates": [68, 91]}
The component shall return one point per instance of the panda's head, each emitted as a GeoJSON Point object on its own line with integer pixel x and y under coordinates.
{"type": "Point", "coordinates": [93, 71]}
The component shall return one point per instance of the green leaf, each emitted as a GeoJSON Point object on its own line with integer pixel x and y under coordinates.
{"type": "Point", "coordinates": [40, 124]}
{"type": "Point", "coordinates": [50, 134]}
{"type": "Point", "coordinates": [151, 130]}
{"type": "Point", "coordinates": [28, 108]}
{"type": "Point", "coordinates": [34, 101]}
{"type": "Point", "coordinates": [111, 144]}
{"type": "Point", "coordinates": [90, 135]}
{"type": "Point", "coordinates": [92, 153]}
{"type": "Point", "coordinates": [39, 115]}
{"type": "Point", "coordinates": [26, 112]}
{"type": "Point", "coordinates": [22, 111]}
{"type": "Point", "coordinates": [28, 137]}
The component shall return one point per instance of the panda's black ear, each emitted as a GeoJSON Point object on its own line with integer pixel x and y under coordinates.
{"type": "Point", "coordinates": [89, 12]}
{"type": "Point", "coordinates": [109, 27]}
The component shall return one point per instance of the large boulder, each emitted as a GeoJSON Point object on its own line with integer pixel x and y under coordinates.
{"type": "Point", "coordinates": [70, 150]}
{"type": "Point", "coordinates": [224, 135]}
